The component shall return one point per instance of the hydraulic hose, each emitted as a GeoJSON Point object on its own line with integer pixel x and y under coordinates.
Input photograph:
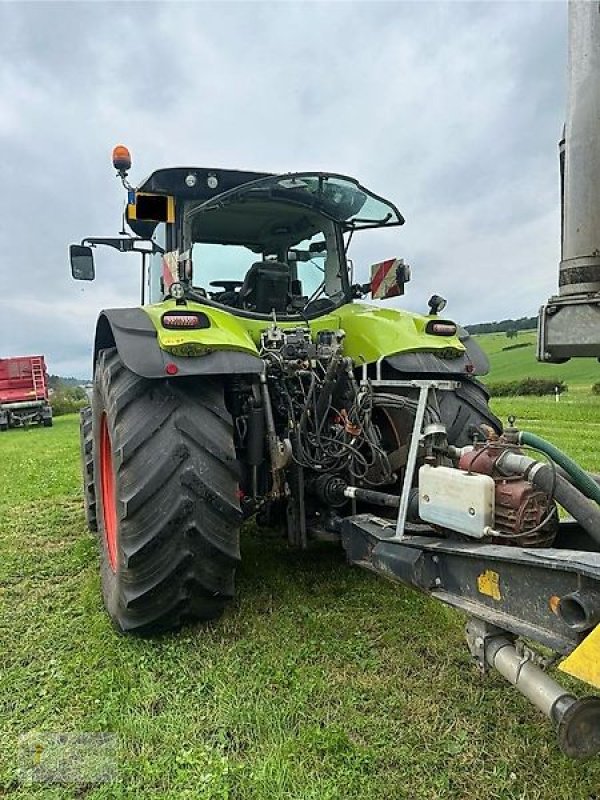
{"type": "Point", "coordinates": [570, 498]}
{"type": "Point", "coordinates": [586, 512]}
{"type": "Point", "coordinates": [579, 477]}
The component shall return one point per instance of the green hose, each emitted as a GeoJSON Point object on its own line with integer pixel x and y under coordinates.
{"type": "Point", "coordinates": [579, 476]}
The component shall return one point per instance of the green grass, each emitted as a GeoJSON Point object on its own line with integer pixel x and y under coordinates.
{"type": "Point", "coordinates": [573, 423]}
{"type": "Point", "coordinates": [321, 681]}
{"type": "Point", "coordinates": [513, 365]}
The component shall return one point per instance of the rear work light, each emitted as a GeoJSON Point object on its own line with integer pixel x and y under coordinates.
{"type": "Point", "coordinates": [439, 328]}
{"type": "Point", "coordinates": [184, 320]}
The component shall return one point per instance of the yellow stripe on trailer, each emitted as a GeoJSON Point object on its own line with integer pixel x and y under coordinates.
{"type": "Point", "coordinates": [584, 661]}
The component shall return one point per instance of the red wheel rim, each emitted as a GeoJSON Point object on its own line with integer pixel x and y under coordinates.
{"type": "Point", "coordinates": [107, 485]}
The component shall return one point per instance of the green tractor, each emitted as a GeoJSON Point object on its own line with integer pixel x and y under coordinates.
{"type": "Point", "coordinates": [253, 382]}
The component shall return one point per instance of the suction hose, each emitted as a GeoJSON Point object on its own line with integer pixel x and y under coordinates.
{"type": "Point", "coordinates": [586, 512]}
{"type": "Point", "coordinates": [579, 477]}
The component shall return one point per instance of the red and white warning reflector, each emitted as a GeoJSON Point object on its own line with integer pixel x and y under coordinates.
{"type": "Point", "coordinates": [388, 278]}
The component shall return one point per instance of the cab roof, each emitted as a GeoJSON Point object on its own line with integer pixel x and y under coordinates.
{"type": "Point", "coordinates": [209, 181]}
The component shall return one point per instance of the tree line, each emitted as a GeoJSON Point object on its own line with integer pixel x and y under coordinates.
{"type": "Point", "coordinates": [505, 325]}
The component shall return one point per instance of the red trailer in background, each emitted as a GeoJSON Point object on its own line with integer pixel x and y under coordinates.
{"type": "Point", "coordinates": [24, 392]}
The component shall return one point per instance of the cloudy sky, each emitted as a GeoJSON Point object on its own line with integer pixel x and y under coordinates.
{"type": "Point", "coordinates": [451, 110]}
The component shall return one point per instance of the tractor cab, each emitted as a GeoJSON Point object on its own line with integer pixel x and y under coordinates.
{"type": "Point", "coordinates": [277, 244]}
{"type": "Point", "coordinates": [254, 243]}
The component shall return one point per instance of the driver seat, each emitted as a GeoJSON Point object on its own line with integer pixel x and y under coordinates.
{"type": "Point", "coordinates": [266, 287]}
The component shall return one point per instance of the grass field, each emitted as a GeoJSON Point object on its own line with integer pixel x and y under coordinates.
{"type": "Point", "coordinates": [512, 365]}
{"type": "Point", "coordinates": [321, 682]}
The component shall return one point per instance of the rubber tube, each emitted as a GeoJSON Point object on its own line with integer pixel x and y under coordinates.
{"type": "Point", "coordinates": [579, 477]}
{"type": "Point", "coordinates": [585, 511]}
{"type": "Point", "coordinates": [593, 475]}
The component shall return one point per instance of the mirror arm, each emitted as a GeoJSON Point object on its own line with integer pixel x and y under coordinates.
{"type": "Point", "coordinates": [123, 245]}
{"type": "Point", "coordinates": [360, 290]}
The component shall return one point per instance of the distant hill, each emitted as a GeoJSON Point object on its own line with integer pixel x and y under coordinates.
{"type": "Point", "coordinates": [514, 358]}
{"type": "Point", "coordinates": [57, 381]}
{"type": "Point", "coordinates": [521, 324]}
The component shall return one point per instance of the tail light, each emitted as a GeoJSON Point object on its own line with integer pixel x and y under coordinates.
{"type": "Point", "coordinates": [185, 320]}
{"type": "Point", "coordinates": [440, 328]}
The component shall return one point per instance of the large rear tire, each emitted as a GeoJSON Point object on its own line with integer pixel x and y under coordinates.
{"type": "Point", "coordinates": [86, 443]}
{"type": "Point", "coordinates": [465, 410]}
{"type": "Point", "coordinates": [167, 493]}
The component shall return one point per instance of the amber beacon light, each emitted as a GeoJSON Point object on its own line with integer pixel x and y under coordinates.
{"type": "Point", "coordinates": [121, 158]}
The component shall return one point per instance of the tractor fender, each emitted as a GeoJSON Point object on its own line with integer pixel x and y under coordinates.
{"type": "Point", "coordinates": [479, 359]}
{"type": "Point", "coordinates": [473, 362]}
{"type": "Point", "coordinates": [133, 334]}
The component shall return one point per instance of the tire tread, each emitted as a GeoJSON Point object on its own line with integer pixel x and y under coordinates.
{"type": "Point", "coordinates": [178, 508]}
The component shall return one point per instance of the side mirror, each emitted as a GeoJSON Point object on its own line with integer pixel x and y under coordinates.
{"type": "Point", "coordinates": [82, 262]}
{"type": "Point", "coordinates": [388, 278]}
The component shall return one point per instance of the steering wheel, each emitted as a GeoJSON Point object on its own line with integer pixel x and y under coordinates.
{"type": "Point", "coordinates": [228, 286]}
